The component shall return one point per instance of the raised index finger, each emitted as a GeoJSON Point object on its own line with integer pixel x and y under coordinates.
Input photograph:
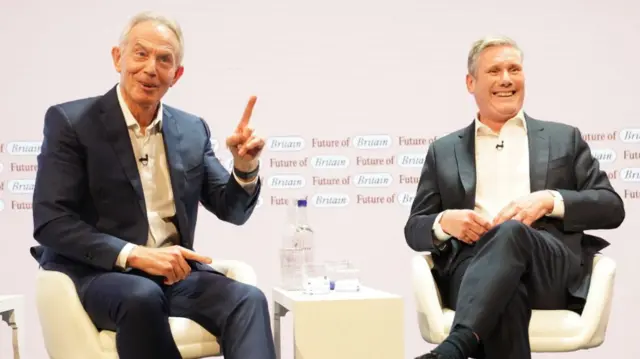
{"type": "Point", "coordinates": [246, 116]}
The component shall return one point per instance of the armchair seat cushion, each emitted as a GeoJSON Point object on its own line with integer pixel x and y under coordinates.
{"type": "Point", "coordinates": [565, 323]}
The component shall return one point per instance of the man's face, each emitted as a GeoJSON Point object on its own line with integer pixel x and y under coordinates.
{"type": "Point", "coordinates": [147, 63]}
{"type": "Point", "coordinates": [498, 84]}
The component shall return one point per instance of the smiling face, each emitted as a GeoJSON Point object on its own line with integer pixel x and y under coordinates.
{"type": "Point", "coordinates": [148, 64]}
{"type": "Point", "coordinates": [498, 84]}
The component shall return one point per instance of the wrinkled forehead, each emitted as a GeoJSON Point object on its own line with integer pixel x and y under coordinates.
{"type": "Point", "coordinates": [500, 55]}
{"type": "Point", "coordinates": [153, 37]}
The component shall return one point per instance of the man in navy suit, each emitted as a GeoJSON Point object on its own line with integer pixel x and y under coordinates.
{"type": "Point", "coordinates": [502, 205]}
{"type": "Point", "coordinates": [119, 181]}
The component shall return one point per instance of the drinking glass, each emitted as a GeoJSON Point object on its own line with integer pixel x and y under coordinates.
{"type": "Point", "coordinates": [315, 280]}
{"type": "Point", "coordinates": [344, 276]}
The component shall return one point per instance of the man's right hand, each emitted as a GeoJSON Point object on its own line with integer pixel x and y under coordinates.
{"type": "Point", "coordinates": [464, 224]}
{"type": "Point", "coordinates": [168, 262]}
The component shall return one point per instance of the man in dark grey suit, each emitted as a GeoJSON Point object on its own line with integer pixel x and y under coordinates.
{"type": "Point", "coordinates": [119, 183]}
{"type": "Point", "coordinates": [502, 205]}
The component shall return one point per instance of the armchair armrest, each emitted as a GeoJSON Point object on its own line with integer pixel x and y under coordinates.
{"type": "Point", "coordinates": [597, 308]}
{"type": "Point", "coordinates": [240, 271]}
{"type": "Point", "coordinates": [62, 316]}
{"type": "Point", "coordinates": [428, 301]}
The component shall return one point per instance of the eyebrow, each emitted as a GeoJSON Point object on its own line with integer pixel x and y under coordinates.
{"type": "Point", "coordinates": [162, 50]}
{"type": "Point", "coordinates": [510, 64]}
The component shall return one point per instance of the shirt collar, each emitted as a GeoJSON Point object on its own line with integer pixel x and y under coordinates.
{"type": "Point", "coordinates": [518, 120]}
{"type": "Point", "coordinates": [128, 116]}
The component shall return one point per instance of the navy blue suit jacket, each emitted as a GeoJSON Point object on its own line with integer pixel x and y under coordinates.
{"type": "Point", "coordinates": [88, 200]}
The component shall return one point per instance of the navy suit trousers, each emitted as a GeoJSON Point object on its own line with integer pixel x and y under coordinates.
{"type": "Point", "coordinates": [137, 306]}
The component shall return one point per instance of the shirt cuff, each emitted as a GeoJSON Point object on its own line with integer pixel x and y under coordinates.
{"type": "Point", "coordinates": [437, 229]}
{"type": "Point", "coordinates": [558, 205]}
{"type": "Point", "coordinates": [121, 261]}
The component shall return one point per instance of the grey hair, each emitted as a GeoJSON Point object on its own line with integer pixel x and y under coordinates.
{"type": "Point", "coordinates": [158, 19]}
{"type": "Point", "coordinates": [484, 43]}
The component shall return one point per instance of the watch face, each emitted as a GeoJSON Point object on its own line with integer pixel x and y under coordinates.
{"type": "Point", "coordinates": [443, 246]}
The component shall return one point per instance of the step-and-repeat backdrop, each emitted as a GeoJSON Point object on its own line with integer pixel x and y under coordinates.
{"type": "Point", "coordinates": [350, 94]}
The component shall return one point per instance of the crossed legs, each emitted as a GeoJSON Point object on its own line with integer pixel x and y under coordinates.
{"type": "Point", "coordinates": [511, 270]}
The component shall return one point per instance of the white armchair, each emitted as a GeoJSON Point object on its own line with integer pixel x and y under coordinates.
{"type": "Point", "coordinates": [549, 330]}
{"type": "Point", "coordinates": [69, 333]}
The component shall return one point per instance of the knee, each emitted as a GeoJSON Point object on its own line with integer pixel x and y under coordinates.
{"type": "Point", "coordinates": [507, 235]}
{"type": "Point", "coordinates": [252, 297]}
{"type": "Point", "coordinates": [255, 295]}
{"type": "Point", "coordinates": [146, 299]}
{"type": "Point", "coordinates": [511, 228]}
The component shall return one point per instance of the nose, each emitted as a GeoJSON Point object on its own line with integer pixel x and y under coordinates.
{"type": "Point", "coordinates": [150, 66]}
{"type": "Point", "coordinates": [505, 79]}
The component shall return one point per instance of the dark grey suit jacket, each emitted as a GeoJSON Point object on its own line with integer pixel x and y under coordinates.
{"type": "Point", "coordinates": [559, 159]}
{"type": "Point", "coordinates": [88, 200]}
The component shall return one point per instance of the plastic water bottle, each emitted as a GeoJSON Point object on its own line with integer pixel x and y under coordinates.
{"type": "Point", "coordinates": [297, 246]}
{"type": "Point", "coordinates": [304, 233]}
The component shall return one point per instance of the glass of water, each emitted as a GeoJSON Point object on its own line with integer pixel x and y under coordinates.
{"type": "Point", "coordinates": [315, 279]}
{"type": "Point", "coordinates": [344, 276]}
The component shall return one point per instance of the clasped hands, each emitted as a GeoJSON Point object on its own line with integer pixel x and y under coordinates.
{"type": "Point", "coordinates": [468, 226]}
{"type": "Point", "coordinates": [171, 262]}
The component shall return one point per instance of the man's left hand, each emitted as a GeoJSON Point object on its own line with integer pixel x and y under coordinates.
{"type": "Point", "coordinates": [244, 146]}
{"type": "Point", "coordinates": [527, 209]}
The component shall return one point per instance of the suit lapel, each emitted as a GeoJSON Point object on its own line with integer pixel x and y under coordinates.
{"type": "Point", "coordinates": [116, 130]}
{"type": "Point", "coordinates": [173, 146]}
{"type": "Point", "coordinates": [466, 160]}
{"type": "Point", "coordinates": [538, 153]}
{"type": "Point", "coordinates": [172, 143]}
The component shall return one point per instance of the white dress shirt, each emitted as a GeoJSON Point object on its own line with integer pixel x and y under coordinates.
{"type": "Point", "coordinates": [148, 143]}
{"type": "Point", "coordinates": [502, 175]}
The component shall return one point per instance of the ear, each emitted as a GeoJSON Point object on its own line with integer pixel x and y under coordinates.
{"type": "Point", "coordinates": [471, 83]}
{"type": "Point", "coordinates": [178, 75]}
{"type": "Point", "coordinates": [116, 55]}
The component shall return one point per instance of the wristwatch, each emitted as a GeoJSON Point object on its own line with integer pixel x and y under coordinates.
{"type": "Point", "coordinates": [246, 175]}
{"type": "Point", "coordinates": [444, 246]}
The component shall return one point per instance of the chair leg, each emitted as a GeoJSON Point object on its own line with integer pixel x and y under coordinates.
{"type": "Point", "coordinates": [9, 318]}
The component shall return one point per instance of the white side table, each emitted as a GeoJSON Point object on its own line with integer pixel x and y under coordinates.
{"type": "Point", "coordinates": [368, 324]}
{"type": "Point", "coordinates": [12, 311]}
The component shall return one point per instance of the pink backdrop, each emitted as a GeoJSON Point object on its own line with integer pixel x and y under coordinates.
{"type": "Point", "coordinates": [342, 71]}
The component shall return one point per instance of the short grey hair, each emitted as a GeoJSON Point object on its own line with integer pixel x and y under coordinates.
{"type": "Point", "coordinates": [157, 18]}
{"type": "Point", "coordinates": [484, 43]}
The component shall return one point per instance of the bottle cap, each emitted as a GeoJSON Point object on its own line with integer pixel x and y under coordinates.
{"type": "Point", "coordinates": [302, 203]}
